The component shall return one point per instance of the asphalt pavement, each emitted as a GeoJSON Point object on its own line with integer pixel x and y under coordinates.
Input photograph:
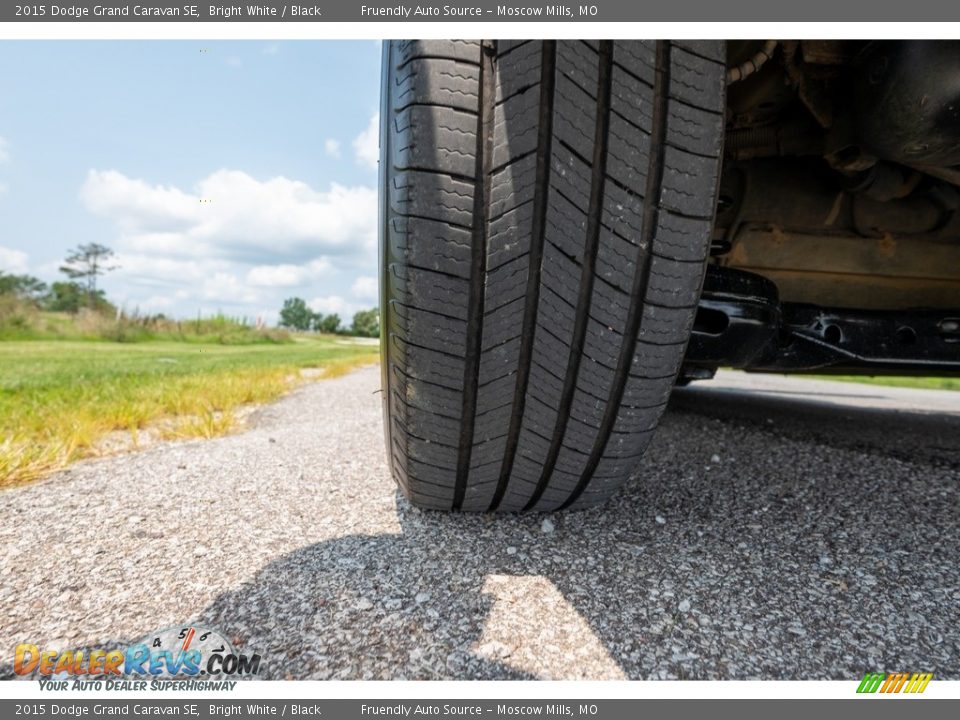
{"type": "Point", "coordinates": [776, 529]}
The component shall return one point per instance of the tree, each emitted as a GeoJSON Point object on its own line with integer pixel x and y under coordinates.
{"type": "Point", "coordinates": [366, 323]}
{"type": "Point", "coordinates": [65, 297]}
{"type": "Point", "coordinates": [25, 287]}
{"type": "Point", "coordinates": [295, 314]}
{"type": "Point", "coordinates": [86, 263]}
{"type": "Point", "coordinates": [329, 324]}
{"type": "Point", "coordinates": [69, 297]}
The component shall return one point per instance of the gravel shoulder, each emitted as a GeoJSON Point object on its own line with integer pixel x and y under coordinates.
{"type": "Point", "coordinates": [777, 529]}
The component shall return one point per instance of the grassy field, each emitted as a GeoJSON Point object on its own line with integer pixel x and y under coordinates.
{"type": "Point", "coordinates": [61, 400]}
{"type": "Point", "coordinates": [21, 320]}
{"type": "Point", "coordinates": [926, 383]}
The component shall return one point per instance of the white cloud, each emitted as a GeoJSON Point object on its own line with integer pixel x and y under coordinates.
{"type": "Point", "coordinates": [3, 188]}
{"type": "Point", "coordinates": [12, 261]}
{"type": "Point", "coordinates": [366, 287]}
{"type": "Point", "coordinates": [234, 61]}
{"type": "Point", "coordinates": [230, 214]}
{"type": "Point", "coordinates": [226, 288]}
{"type": "Point", "coordinates": [156, 269]}
{"type": "Point", "coordinates": [137, 206]}
{"type": "Point", "coordinates": [160, 302]}
{"type": "Point", "coordinates": [170, 244]}
{"type": "Point", "coordinates": [275, 276]}
{"type": "Point", "coordinates": [332, 147]}
{"type": "Point", "coordinates": [329, 304]}
{"type": "Point", "coordinates": [286, 275]}
{"type": "Point", "coordinates": [156, 303]}
{"type": "Point", "coordinates": [234, 243]}
{"type": "Point", "coordinates": [271, 49]}
{"type": "Point", "coordinates": [366, 145]}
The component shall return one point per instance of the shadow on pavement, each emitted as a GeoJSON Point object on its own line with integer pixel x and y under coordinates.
{"type": "Point", "coordinates": [911, 435]}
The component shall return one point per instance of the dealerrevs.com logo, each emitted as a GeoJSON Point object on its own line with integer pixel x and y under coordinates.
{"type": "Point", "coordinates": [166, 657]}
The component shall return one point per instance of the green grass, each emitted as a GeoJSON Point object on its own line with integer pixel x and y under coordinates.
{"type": "Point", "coordinates": [60, 399]}
{"type": "Point", "coordinates": [927, 383]}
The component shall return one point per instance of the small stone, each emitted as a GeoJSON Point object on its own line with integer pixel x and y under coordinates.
{"type": "Point", "coordinates": [421, 597]}
{"type": "Point", "coordinates": [200, 551]}
{"type": "Point", "coordinates": [797, 630]}
{"type": "Point", "coordinates": [684, 606]}
{"type": "Point", "coordinates": [511, 550]}
{"type": "Point", "coordinates": [494, 649]}
{"type": "Point", "coordinates": [661, 520]}
{"type": "Point", "coordinates": [547, 526]}
{"type": "Point", "coordinates": [363, 604]}
{"type": "Point", "coordinates": [715, 458]}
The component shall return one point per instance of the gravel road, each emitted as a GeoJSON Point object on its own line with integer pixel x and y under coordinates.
{"type": "Point", "coordinates": [778, 528]}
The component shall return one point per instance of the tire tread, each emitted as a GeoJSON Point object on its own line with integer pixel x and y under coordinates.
{"type": "Point", "coordinates": [548, 208]}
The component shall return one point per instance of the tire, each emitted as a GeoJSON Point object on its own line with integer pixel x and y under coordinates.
{"type": "Point", "coordinates": [531, 338]}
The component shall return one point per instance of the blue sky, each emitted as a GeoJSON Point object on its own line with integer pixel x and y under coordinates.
{"type": "Point", "coordinates": [119, 142]}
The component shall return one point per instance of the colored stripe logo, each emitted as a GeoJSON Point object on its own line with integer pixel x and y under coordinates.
{"type": "Point", "coordinates": [898, 682]}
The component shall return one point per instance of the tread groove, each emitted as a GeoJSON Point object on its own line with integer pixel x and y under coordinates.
{"type": "Point", "coordinates": [471, 372]}
{"type": "Point", "coordinates": [642, 275]}
{"type": "Point", "coordinates": [538, 234]}
{"type": "Point", "coordinates": [598, 176]}
{"type": "Point", "coordinates": [432, 171]}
